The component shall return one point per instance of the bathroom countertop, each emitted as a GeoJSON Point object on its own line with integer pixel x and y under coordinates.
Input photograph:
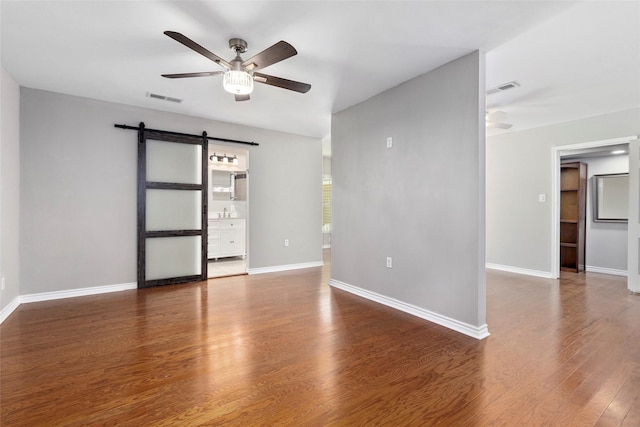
{"type": "Point", "coordinates": [226, 217]}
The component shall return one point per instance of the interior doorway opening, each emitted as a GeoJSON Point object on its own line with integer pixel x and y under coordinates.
{"type": "Point", "coordinates": [327, 191]}
{"type": "Point", "coordinates": [564, 152]}
{"type": "Point", "coordinates": [228, 211]}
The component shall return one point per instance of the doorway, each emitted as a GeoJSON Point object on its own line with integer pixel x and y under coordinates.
{"type": "Point", "coordinates": [559, 152]}
{"type": "Point", "coordinates": [228, 211]}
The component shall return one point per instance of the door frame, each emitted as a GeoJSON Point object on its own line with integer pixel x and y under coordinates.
{"type": "Point", "coordinates": [246, 154]}
{"type": "Point", "coordinates": [556, 153]}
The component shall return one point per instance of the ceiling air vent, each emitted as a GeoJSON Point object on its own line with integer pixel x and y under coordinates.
{"type": "Point", "coordinates": [163, 98]}
{"type": "Point", "coordinates": [503, 87]}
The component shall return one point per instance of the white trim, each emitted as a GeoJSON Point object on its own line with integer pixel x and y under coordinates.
{"type": "Point", "coordinates": [70, 293]}
{"type": "Point", "coordinates": [604, 270]}
{"type": "Point", "coordinates": [478, 332]}
{"type": "Point", "coordinates": [555, 191]}
{"type": "Point", "coordinates": [633, 227]}
{"type": "Point", "coordinates": [287, 267]}
{"type": "Point", "coordinates": [49, 296]}
{"type": "Point", "coordinates": [10, 308]}
{"type": "Point", "coordinates": [518, 270]}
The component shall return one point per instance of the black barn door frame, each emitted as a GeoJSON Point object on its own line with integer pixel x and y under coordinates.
{"type": "Point", "coordinates": [145, 134]}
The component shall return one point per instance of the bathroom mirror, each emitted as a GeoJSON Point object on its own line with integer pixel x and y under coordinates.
{"type": "Point", "coordinates": [611, 197]}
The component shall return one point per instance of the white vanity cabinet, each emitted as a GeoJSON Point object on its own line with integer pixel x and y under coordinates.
{"type": "Point", "coordinates": [226, 238]}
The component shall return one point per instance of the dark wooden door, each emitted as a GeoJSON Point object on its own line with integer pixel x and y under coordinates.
{"type": "Point", "coordinates": [172, 208]}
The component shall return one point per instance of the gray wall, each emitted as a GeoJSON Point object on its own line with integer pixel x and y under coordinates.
{"type": "Point", "coordinates": [420, 202]}
{"type": "Point", "coordinates": [606, 242]}
{"type": "Point", "coordinates": [79, 191]}
{"type": "Point", "coordinates": [519, 169]}
{"type": "Point", "coordinates": [9, 188]}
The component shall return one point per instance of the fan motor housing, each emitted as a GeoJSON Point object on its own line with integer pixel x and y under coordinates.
{"type": "Point", "coordinates": [238, 45]}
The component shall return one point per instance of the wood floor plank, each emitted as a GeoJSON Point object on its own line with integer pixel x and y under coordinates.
{"type": "Point", "coordinates": [286, 349]}
{"type": "Point", "coordinates": [623, 404]}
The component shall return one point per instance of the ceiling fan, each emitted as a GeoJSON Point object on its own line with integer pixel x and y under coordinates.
{"type": "Point", "coordinates": [240, 74]}
{"type": "Point", "coordinates": [494, 120]}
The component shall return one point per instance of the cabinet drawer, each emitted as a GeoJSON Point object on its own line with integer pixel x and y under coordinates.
{"type": "Point", "coordinates": [231, 224]}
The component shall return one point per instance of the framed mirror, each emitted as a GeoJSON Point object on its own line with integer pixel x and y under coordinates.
{"type": "Point", "coordinates": [611, 197]}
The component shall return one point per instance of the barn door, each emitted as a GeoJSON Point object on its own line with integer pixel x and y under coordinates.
{"type": "Point", "coordinates": [172, 208]}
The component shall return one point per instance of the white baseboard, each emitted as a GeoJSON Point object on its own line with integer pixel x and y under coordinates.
{"type": "Point", "coordinates": [604, 270]}
{"type": "Point", "coordinates": [9, 309]}
{"type": "Point", "coordinates": [518, 270]}
{"type": "Point", "coordinates": [547, 275]}
{"type": "Point", "coordinates": [286, 267]}
{"type": "Point", "coordinates": [478, 332]}
{"type": "Point", "coordinates": [80, 292]}
{"type": "Point", "coordinates": [49, 296]}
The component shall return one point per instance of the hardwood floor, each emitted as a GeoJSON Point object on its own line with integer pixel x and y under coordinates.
{"type": "Point", "coordinates": [285, 349]}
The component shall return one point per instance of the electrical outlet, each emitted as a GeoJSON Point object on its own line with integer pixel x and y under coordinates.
{"type": "Point", "coordinates": [542, 198]}
{"type": "Point", "coordinates": [389, 262]}
{"type": "Point", "coordinates": [286, 242]}
{"type": "Point", "coordinates": [389, 142]}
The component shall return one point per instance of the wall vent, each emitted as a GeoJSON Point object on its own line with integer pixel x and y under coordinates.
{"type": "Point", "coordinates": [503, 87]}
{"type": "Point", "coordinates": [163, 98]}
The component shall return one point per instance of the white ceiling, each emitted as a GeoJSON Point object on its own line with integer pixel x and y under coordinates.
{"type": "Point", "coordinates": [572, 59]}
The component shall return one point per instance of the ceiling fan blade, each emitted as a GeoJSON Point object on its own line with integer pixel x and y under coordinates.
{"type": "Point", "coordinates": [183, 75]}
{"type": "Point", "coordinates": [195, 46]}
{"type": "Point", "coordinates": [499, 125]}
{"type": "Point", "coordinates": [276, 53]}
{"type": "Point", "coordinates": [282, 83]}
{"type": "Point", "coordinates": [242, 97]}
{"type": "Point", "coordinates": [496, 115]}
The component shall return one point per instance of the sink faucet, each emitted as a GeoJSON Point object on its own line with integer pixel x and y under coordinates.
{"type": "Point", "coordinates": [225, 212]}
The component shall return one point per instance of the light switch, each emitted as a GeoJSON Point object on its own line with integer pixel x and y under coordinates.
{"type": "Point", "coordinates": [389, 142]}
{"type": "Point", "coordinates": [542, 198]}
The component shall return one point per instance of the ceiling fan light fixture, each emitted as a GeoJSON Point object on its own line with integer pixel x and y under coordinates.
{"type": "Point", "coordinates": [239, 75]}
{"type": "Point", "coordinates": [238, 82]}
